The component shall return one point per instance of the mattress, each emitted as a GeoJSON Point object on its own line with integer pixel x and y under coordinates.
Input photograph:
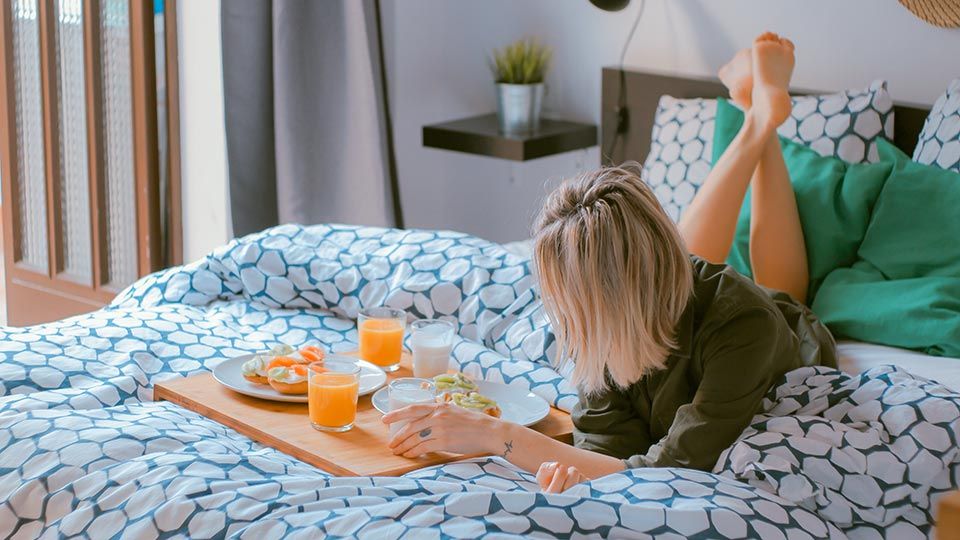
{"type": "Point", "coordinates": [857, 357]}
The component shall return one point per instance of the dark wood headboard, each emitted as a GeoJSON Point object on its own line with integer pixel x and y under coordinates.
{"type": "Point", "coordinates": [641, 94]}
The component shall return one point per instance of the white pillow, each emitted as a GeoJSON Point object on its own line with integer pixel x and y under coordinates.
{"type": "Point", "coordinates": [939, 142]}
{"type": "Point", "coordinates": [845, 125]}
{"type": "Point", "coordinates": [680, 151]}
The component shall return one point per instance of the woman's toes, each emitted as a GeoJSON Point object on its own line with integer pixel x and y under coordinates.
{"type": "Point", "coordinates": [766, 36]}
{"type": "Point", "coordinates": [773, 62]}
{"type": "Point", "coordinates": [773, 59]}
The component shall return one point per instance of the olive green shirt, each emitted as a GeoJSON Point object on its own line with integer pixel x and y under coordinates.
{"type": "Point", "coordinates": [734, 340]}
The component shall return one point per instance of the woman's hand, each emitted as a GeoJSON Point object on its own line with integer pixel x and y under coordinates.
{"type": "Point", "coordinates": [556, 478]}
{"type": "Point", "coordinates": [443, 427]}
{"type": "Point", "coordinates": [437, 427]}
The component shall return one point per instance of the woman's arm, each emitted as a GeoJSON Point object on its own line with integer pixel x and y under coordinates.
{"type": "Point", "coordinates": [531, 448]}
{"type": "Point", "coordinates": [446, 427]}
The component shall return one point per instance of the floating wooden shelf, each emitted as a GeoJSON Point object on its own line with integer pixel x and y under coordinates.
{"type": "Point", "coordinates": [481, 135]}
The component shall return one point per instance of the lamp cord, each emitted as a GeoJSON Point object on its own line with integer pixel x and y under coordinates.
{"type": "Point", "coordinates": [633, 30]}
{"type": "Point", "coordinates": [621, 92]}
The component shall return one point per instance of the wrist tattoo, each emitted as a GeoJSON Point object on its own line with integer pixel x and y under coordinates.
{"type": "Point", "coordinates": [507, 448]}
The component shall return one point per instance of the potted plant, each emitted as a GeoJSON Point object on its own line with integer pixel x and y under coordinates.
{"type": "Point", "coordinates": [519, 70]}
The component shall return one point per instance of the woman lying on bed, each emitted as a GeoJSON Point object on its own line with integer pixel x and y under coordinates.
{"type": "Point", "coordinates": [673, 352]}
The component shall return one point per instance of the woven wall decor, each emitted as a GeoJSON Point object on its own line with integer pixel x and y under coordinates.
{"type": "Point", "coordinates": [942, 13]}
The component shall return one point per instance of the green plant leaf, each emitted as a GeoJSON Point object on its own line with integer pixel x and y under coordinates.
{"type": "Point", "coordinates": [524, 61]}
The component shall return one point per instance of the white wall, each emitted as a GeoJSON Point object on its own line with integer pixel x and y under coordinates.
{"type": "Point", "coordinates": [436, 52]}
{"type": "Point", "coordinates": [436, 59]}
{"type": "Point", "coordinates": [206, 222]}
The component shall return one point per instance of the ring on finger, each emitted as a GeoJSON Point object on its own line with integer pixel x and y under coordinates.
{"type": "Point", "coordinates": [414, 433]}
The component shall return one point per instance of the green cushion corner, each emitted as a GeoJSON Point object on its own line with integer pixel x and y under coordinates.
{"type": "Point", "coordinates": [834, 200]}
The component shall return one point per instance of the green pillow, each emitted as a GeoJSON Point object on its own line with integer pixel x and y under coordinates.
{"type": "Point", "coordinates": [920, 313]}
{"type": "Point", "coordinates": [834, 200]}
{"type": "Point", "coordinates": [915, 229]}
{"type": "Point", "coordinates": [904, 290]}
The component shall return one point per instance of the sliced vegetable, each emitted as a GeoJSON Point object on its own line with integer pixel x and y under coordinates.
{"type": "Point", "coordinates": [281, 361]}
{"type": "Point", "coordinates": [311, 353]}
{"type": "Point", "coordinates": [454, 381]}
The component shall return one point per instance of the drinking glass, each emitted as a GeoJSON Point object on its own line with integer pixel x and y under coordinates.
{"type": "Point", "coordinates": [431, 341]}
{"type": "Point", "coordinates": [406, 391]}
{"type": "Point", "coordinates": [332, 388]}
{"type": "Point", "coordinates": [381, 336]}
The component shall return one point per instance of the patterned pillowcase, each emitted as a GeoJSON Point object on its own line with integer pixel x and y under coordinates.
{"type": "Point", "coordinates": [844, 125]}
{"type": "Point", "coordinates": [680, 151]}
{"type": "Point", "coordinates": [939, 142]}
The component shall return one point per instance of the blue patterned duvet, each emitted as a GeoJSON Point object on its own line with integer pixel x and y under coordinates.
{"type": "Point", "coordinates": [85, 452]}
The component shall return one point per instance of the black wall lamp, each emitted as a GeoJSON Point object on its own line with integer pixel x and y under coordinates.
{"type": "Point", "coordinates": [610, 5]}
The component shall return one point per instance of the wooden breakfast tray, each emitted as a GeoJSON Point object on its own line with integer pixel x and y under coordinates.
{"type": "Point", "coordinates": [362, 451]}
{"type": "Point", "coordinates": [948, 517]}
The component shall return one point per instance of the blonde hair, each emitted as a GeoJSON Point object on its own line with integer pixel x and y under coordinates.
{"type": "Point", "coordinates": [614, 274]}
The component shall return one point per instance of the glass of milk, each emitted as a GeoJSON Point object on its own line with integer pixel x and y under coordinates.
{"type": "Point", "coordinates": [407, 391]}
{"type": "Point", "coordinates": [431, 341]}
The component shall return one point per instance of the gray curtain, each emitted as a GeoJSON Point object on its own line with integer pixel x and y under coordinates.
{"type": "Point", "coordinates": [308, 135]}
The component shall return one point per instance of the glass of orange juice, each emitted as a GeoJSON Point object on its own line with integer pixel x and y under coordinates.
{"type": "Point", "coordinates": [332, 388]}
{"type": "Point", "coordinates": [381, 336]}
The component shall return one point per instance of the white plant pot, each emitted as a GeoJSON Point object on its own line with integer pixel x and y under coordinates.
{"type": "Point", "coordinates": [518, 108]}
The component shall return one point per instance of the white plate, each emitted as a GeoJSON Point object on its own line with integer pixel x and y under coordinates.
{"type": "Point", "coordinates": [230, 375]}
{"type": "Point", "coordinates": [516, 405]}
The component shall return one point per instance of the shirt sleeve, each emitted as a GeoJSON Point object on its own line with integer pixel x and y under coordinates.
{"type": "Point", "coordinates": [740, 361]}
{"type": "Point", "coordinates": [606, 422]}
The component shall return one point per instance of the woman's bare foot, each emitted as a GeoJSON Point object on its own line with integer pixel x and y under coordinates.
{"type": "Point", "coordinates": [737, 76]}
{"type": "Point", "coordinates": [772, 68]}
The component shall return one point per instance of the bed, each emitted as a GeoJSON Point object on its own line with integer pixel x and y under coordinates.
{"type": "Point", "coordinates": [84, 451]}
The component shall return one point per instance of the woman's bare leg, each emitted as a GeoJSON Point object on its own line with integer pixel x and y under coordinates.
{"type": "Point", "coordinates": [709, 224]}
{"type": "Point", "coordinates": [758, 76]}
{"type": "Point", "coordinates": [778, 255]}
